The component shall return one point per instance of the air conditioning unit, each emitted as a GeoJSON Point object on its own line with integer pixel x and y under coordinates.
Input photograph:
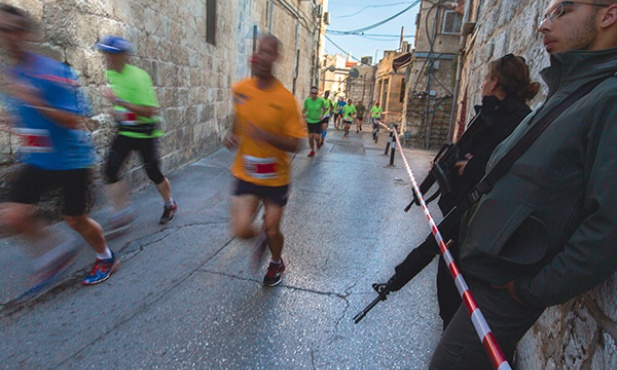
{"type": "Point", "coordinates": [326, 18]}
{"type": "Point", "coordinates": [366, 61]}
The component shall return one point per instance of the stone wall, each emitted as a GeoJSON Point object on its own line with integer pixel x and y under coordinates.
{"type": "Point", "coordinates": [192, 78]}
{"type": "Point", "coordinates": [581, 333]}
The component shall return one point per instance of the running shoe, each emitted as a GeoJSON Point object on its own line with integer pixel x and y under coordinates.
{"type": "Point", "coordinates": [275, 272]}
{"type": "Point", "coordinates": [47, 277]}
{"type": "Point", "coordinates": [318, 144]}
{"type": "Point", "coordinates": [311, 154]}
{"type": "Point", "coordinates": [101, 270]}
{"type": "Point", "coordinates": [169, 214]}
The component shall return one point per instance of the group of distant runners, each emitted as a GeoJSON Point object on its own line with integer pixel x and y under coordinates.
{"type": "Point", "coordinates": [317, 112]}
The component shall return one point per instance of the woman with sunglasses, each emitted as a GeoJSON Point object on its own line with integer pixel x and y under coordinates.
{"type": "Point", "coordinates": [505, 91]}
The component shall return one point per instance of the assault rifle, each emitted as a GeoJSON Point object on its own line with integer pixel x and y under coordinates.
{"type": "Point", "coordinates": [443, 172]}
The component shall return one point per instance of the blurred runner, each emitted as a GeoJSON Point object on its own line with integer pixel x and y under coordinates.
{"type": "Point", "coordinates": [313, 111]}
{"type": "Point", "coordinates": [349, 113]}
{"type": "Point", "coordinates": [136, 112]}
{"type": "Point", "coordinates": [360, 110]}
{"type": "Point", "coordinates": [49, 108]}
{"type": "Point", "coordinates": [267, 126]}
{"type": "Point", "coordinates": [326, 119]}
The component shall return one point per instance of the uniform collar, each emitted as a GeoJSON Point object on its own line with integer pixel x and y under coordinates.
{"type": "Point", "coordinates": [578, 67]}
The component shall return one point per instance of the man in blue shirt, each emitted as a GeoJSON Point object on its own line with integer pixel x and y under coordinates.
{"type": "Point", "coordinates": [48, 109]}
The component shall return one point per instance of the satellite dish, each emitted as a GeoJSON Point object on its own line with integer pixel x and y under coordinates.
{"type": "Point", "coordinates": [331, 68]}
{"type": "Point", "coordinates": [353, 73]}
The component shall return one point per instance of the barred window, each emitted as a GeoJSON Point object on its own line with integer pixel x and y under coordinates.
{"type": "Point", "coordinates": [452, 22]}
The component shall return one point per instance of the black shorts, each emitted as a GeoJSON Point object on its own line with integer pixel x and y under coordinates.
{"type": "Point", "coordinates": [148, 149]}
{"type": "Point", "coordinates": [314, 128]}
{"type": "Point", "coordinates": [325, 120]}
{"type": "Point", "coordinates": [74, 185]}
{"type": "Point", "coordinates": [278, 195]}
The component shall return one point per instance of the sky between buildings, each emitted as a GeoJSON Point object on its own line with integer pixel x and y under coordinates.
{"type": "Point", "coordinates": [350, 15]}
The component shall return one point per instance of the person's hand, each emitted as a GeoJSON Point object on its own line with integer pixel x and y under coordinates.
{"type": "Point", "coordinates": [231, 141]}
{"type": "Point", "coordinates": [509, 286]}
{"type": "Point", "coordinates": [24, 92]}
{"type": "Point", "coordinates": [460, 165]}
{"type": "Point", "coordinates": [256, 133]}
{"type": "Point", "coordinates": [109, 94]}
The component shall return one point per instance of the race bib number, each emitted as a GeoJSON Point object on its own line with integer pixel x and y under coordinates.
{"type": "Point", "coordinates": [259, 168]}
{"type": "Point", "coordinates": [125, 118]}
{"type": "Point", "coordinates": [34, 140]}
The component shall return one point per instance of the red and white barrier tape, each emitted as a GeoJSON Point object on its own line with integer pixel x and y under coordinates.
{"type": "Point", "coordinates": [483, 330]}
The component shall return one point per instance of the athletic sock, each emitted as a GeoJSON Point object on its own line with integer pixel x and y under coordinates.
{"type": "Point", "coordinates": [170, 203]}
{"type": "Point", "coordinates": [105, 255]}
{"type": "Point", "coordinates": [276, 262]}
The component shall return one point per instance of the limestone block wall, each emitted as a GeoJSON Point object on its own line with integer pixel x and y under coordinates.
{"type": "Point", "coordinates": [581, 333]}
{"type": "Point", "coordinates": [192, 78]}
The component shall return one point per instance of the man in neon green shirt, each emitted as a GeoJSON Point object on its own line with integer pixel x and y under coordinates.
{"type": "Point", "coordinates": [376, 113]}
{"type": "Point", "coordinates": [349, 112]}
{"type": "Point", "coordinates": [136, 113]}
{"type": "Point", "coordinates": [313, 111]}
{"type": "Point", "coordinates": [327, 115]}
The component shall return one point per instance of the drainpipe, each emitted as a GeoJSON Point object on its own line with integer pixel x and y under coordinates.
{"type": "Point", "coordinates": [296, 67]}
{"type": "Point", "coordinates": [459, 71]}
{"type": "Point", "coordinates": [271, 14]}
{"type": "Point", "coordinates": [427, 138]}
{"type": "Point", "coordinates": [295, 14]}
{"type": "Point", "coordinates": [289, 8]}
{"type": "Point", "coordinates": [317, 59]}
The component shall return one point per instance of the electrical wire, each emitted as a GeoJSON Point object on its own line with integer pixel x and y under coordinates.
{"type": "Point", "coordinates": [368, 7]}
{"type": "Point", "coordinates": [341, 49]}
{"type": "Point", "coordinates": [375, 25]}
{"type": "Point", "coordinates": [393, 35]}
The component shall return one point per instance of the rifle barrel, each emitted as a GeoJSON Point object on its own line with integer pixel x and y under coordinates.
{"type": "Point", "coordinates": [366, 310]}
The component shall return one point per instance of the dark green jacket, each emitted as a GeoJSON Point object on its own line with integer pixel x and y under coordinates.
{"type": "Point", "coordinates": [550, 223]}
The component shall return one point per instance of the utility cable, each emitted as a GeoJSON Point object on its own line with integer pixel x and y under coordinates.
{"type": "Point", "coordinates": [360, 30]}
{"type": "Point", "coordinates": [368, 7]}
{"type": "Point", "coordinates": [341, 49]}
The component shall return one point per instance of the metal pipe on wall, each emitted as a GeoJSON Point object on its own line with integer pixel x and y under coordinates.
{"type": "Point", "coordinates": [459, 72]}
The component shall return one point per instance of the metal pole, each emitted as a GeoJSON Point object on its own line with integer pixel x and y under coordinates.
{"type": "Point", "coordinates": [392, 153]}
{"type": "Point", "coordinates": [388, 144]}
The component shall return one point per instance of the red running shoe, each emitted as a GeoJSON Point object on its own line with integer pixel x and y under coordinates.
{"type": "Point", "coordinates": [275, 272]}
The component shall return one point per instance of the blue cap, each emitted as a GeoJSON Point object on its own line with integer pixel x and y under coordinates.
{"type": "Point", "coordinates": [114, 44]}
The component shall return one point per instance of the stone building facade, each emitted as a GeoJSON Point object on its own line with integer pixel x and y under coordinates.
{"type": "Point", "coordinates": [361, 87]}
{"type": "Point", "coordinates": [581, 333]}
{"type": "Point", "coordinates": [195, 50]}
{"type": "Point", "coordinates": [390, 87]}
{"type": "Point", "coordinates": [431, 75]}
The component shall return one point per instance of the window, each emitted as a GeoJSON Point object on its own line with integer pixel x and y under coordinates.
{"type": "Point", "coordinates": [402, 96]}
{"type": "Point", "coordinates": [384, 94]}
{"type": "Point", "coordinates": [211, 22]}
{"type": "Point", "coordinates": [452, 22]}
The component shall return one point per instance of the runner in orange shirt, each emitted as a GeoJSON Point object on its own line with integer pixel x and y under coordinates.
{"type": "Point", "coordinates": [267, 126]}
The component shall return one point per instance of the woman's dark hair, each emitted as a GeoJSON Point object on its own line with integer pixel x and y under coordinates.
{"type": "Point", "coordinates": [512, 73]}
{"type": "Point", "coordinates": [27, 22]}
